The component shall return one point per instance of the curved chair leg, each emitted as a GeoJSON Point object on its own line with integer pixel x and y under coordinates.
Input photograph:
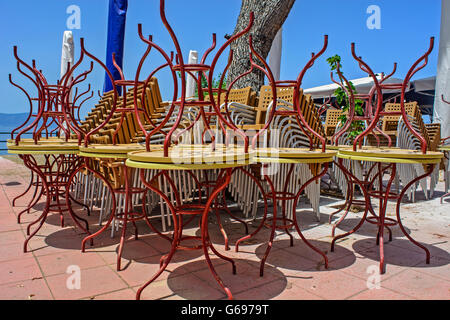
{"type": "Point", "coordinates": [382, 216]}
{"type": "Point", "coordinates": [402, 194]}
{"type": "Point", "coordinates": [70, 199]}
{"type": "Point", "coordinates": [113, 209]}
{"type": "Point", "coordinates": [26, 190]}
{"type": "Point", "coordinates": [46, 210]}
{"type": "Point", "coordinates": [219, 187]}
{"type": "Point", "coordinates": [295, 215]}
{"type": "Point", "coordinates": [225, 207]}
{"type": "Point", "coordinates": [31, 204]}
{"type": "Point", "coordinates": [347, 208]}
{"type": "Point", "coordinates": [261, 190]}
{"type": "Point", "coordinates": [166, 261]}
{"type": "Point", "coordinates": [444, 196]}
{"type": "Point", "coordinates": [222, 230]}
{"type": "Point", "coordinates": [366, 210]}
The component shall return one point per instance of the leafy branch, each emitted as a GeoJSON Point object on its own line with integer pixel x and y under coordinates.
{"type": "Point", "coordinates": [343, 100]}
{"type": "Point", "coordinates": [204, 83]}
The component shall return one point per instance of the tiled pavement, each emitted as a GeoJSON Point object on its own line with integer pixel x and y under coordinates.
{"type": "Point", "coordinates": [290, 273]}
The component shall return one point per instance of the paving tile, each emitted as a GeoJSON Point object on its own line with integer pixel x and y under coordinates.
{"type": "Point", "coordinates": [17, 270]}
{"type": "Point", "coordinates": [246, 277]}
{"type": "Point", "coordinates": [160, 290]}
{"type": "Point", "coordinates": [58, 263]}
{"type": "Point", "coordinates": [301, 249]}
{"type": "Point", "coordinates": [286, 262]}
{"type": "Point", "coordinates": [139, 271]}
{"type": "Point", "coordinates": [13, 251]}
{"type": "Point", "coordinates": [380, 294]}
{"type": "Point", "coordinates": [9, 237]}
{"type": "Point", "coordinates": [132, 250]}
{"type": "Point", "coordinates": [329, 284]}
{"type": "Point", "coordinates": [9, 223]}
{"type": "Point", "coordinates": [438, 267]}
{"type": "Point", "coordinates": [419, 285]}
{"type": "Point", "coordinates": [186, 286]}
{"type": "Point", "coordinates": [277, 290]}
{"type": "Point", "coordinates": [125, 294]}
{"type": "Point", "coordinates": [438, 247]}
{"type": "Point", "coordinates": [44, 245]}
{"type": "Point", "coordinates": [93, 282]}
{"type": "Point", "coordinates": [393, 255]}
{"type": "Point", "coordinates": [25, 290]}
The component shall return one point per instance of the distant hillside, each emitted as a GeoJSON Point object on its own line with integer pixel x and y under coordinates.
{"type": "Point", "coordinates": [9, 121]}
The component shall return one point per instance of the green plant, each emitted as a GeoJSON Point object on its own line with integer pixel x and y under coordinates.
{"type": "Point", "coordinates": [204, 83]}
{"type": "Point", "coordinates": [215, 83]}
{"type": "Point", "coordinates": [343, 101]}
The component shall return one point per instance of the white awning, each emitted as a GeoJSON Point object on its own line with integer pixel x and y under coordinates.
{"type": "Point", "coordinates": [362, 86]}
{"type": "Point", "coordinates": [425, 84]}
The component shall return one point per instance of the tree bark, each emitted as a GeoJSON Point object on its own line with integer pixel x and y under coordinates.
{"type": "Point", "coordinates": [269, 17]}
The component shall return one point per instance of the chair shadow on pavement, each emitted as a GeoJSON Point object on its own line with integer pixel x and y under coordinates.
{"type": "Point", "coordinates": [300, 257]}
{"type": "Point", "coordinates": [401, 252]}
{"type": "Point", "coordinates": [201, 284]}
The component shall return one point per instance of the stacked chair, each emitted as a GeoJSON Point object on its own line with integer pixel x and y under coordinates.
{"type": "Point", "coordinates": [289, 136]}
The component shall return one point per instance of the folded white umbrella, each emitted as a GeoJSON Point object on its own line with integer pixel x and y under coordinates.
{"type": "Point", "coordinates": [67, 54]}
{"type": "Point", "coordinates": [441, 109]}
{"type": "Point", "coordinates": [190, 81]}
{"type": "Point", "coordinates": [275, 54]}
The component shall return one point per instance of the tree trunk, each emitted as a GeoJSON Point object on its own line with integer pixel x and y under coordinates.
{"type": "Point", "coordinates": [269, 17]}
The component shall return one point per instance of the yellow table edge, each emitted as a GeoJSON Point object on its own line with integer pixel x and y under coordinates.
{"type": "Point", "coordinates": [388, 160]}
{"type": "Point", "coordinates": [103, 155]}
{"type": "Point", "coordinates": [28, 141]}
{"type": "Point", "coordinates": [298, 155]}
{"type": "Point", "coordinates": [183, 166]}
{"type": "Point", "coordinates": [31, 152]}
{"type": "Point", "coordinates": [115, 149]}
{"type": "Point", "coordinates": [218, 157]}
{"type": "Point", "coordinates": [46, 147]}
{"type": "Point", "coordinates": [415, 156]}
{"type": "Point", "coordinates": [293, 160]}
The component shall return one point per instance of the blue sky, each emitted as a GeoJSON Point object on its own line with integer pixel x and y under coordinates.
{"type": "Point", "coordinates": [37, 28]}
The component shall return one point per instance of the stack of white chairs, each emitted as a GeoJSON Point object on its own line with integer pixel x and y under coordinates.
{"type": "Point", "coordinates": [283, 132]}
{"type": "Point", "coordinates": [408, 172]}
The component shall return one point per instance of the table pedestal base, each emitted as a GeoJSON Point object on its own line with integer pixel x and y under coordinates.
{"type": "Point", "coordinates": [178, 211]}
{"type": "Point", "coordinates": [383, 194]}
{"type": "Point", "coordinates": [285, 223]}
{"type": "Point", "coordinates": [127, 216]}
{"type": "Point", "coordinates": [53, 176]}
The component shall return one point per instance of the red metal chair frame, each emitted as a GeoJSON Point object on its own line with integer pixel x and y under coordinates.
{"type": "Point", "coordinates": [367, 186]}
{"type": "Point", "coordinates": [54, 107]}
{"type": "Point", "coordinates": [223, 178]}
{"type": "Point", "coordinates": [283, 195]}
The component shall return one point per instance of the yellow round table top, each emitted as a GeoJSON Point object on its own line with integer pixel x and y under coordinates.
{"type": "Point", "coordinates": [293, 160]}
{"type": "Point", "coordinates": [112, 151]}
{"type": "Point", "coordinates": [51, 140]}
{"type": "Point", "coordinates": [188, 158]}
{"type": "Point", "coordinates": [201, 146]}
{"type": "Point", "coordinates": [185, 166]}
{"type": "Point", "coordinates": [58, 147]}
{"type": "Point", "coordinates": [334, 147]}
{"type": "Point", "coordinates": [346, 146]}
{"type": "Point", "coordinates": [391, 155]}
{"type": "Point", "coordinates": [298, 153]}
